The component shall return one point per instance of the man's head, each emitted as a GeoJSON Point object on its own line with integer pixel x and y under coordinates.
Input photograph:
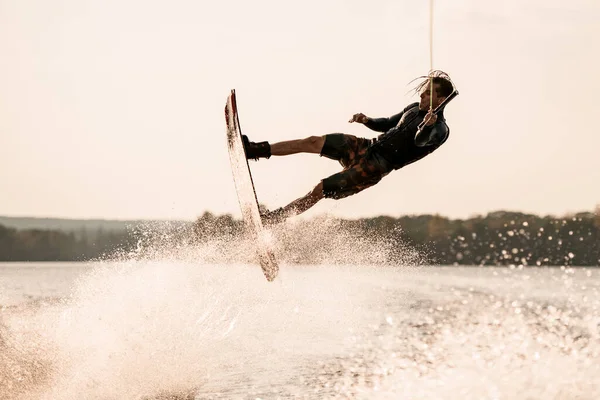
{"type": "Point", "coordinates": [442, 88]}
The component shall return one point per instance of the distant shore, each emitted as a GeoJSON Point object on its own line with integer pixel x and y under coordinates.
{"type": "Point", "coordinates": [498, 238]}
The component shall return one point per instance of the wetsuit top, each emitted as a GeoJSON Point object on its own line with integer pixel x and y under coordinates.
{"type": "Point", "coordinates": [400, 145]}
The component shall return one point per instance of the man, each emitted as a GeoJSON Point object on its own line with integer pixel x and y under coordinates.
{"type": "Point", "coordinates": [366, 161]}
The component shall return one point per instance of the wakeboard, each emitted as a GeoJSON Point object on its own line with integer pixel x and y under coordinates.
{"type": "Point", "coordinates": [246, 193]}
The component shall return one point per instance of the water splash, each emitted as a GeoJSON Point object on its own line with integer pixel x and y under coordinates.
{"type": "Point", "coordinates": [176, 316]}
{"type": "Point", "coordinates": [182, 319]}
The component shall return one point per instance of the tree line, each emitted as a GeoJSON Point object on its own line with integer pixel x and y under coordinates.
{"type": "Point", "coordinates": [498, 238]}
{"type": "Point", "coordinates": [57, 245]}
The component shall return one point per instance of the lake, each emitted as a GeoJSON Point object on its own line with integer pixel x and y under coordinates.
{"type": "Point", "coordinates": [177, 329]}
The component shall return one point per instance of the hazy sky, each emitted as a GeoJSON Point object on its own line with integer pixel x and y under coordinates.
{"type": "Point", "coordinates": [114, 109]}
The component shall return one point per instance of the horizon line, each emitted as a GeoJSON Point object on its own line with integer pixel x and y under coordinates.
{"type": "Point", "coordinates": [596, 211]}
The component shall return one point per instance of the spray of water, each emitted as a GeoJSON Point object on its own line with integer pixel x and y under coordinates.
{"type": "Point", "coordinates": [176, 317]}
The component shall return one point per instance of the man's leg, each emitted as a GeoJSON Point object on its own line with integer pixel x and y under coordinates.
{"type": "Point", "coordinates": [336, 146]}
{"type": "Point", "coordinates": [311, 144]}
{"type": "Point", "coordinates": [297, 206]}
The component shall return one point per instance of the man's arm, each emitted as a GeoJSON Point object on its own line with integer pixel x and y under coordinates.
{"type": "Point", "coordinates": [432, 134]}
{"type": "Point", "coordinates": [378, 124]}
{"type": "Point", "coordinates": [383, 124]}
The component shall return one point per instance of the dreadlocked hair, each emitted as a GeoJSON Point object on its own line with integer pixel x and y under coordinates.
{"type": "Point", "coordinates": [446, 87]}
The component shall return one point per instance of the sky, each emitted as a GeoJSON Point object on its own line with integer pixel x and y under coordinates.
{"type": "Point", "coordinates": [114, 109]}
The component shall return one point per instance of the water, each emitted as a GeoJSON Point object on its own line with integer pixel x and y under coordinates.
{"type": "Point", "coordinates": [178, 329]}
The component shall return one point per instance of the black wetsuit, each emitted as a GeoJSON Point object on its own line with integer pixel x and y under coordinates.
{"type": "Point", "coordinates": [367, 161]}
{"type": "Point", "coordinates": [400, 145]}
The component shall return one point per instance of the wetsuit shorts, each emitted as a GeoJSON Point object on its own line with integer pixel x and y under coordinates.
{"type": "Point", "coordinates": [362, 169]}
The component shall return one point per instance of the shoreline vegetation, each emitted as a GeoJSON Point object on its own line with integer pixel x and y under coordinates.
{"type": "Point", "coordinates": [496, 239]}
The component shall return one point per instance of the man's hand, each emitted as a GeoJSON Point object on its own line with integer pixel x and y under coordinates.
{"type": "Point", "coordinates": [360, 118]}
{"type": "Point", "coordinates": [430, 118]}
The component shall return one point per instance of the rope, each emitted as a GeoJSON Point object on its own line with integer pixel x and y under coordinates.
{"type": "Point", "coordinates": [430, 54]}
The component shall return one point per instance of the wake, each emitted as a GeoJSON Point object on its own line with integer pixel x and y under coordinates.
{"type": "Point", "coordinates": [177, 317]}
